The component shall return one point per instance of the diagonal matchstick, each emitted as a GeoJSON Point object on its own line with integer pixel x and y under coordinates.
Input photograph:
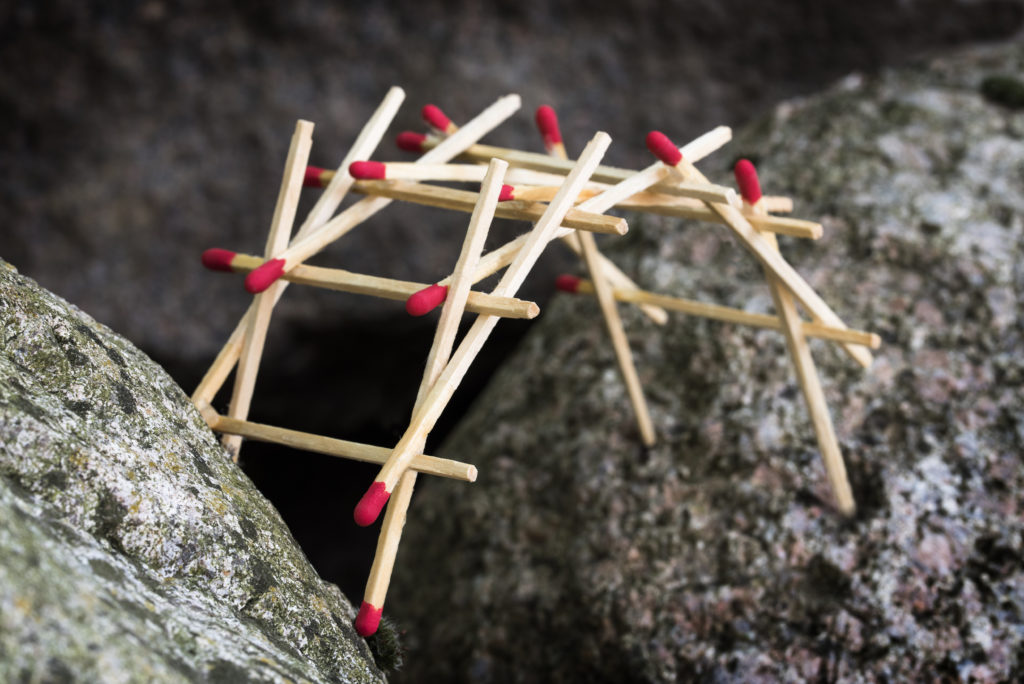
{"type": "Point", "coordinates": [669, 154]}
{"type": "Point", "coordinates": [299, 251]}
{"type": "Point", "coordinates": [366, 142]}
{"type": "Point", "coordinates": [259, 321]}
{"type": "Point", "coordinates": [373, 501]}
{"type": "Point", "coordinates": [440, 351]}
{"type": "Point", "coordinates": [800, 353]}
{"type": "Point", "coordinates": [585, 245]}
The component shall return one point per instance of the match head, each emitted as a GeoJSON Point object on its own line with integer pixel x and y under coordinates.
{"type": "Point", "coordinates": [507, 194]}
{"type": "Point", "coordinates": [314, 177]}
{"type": "Point", "coordinates": [746, 178]}
{"type": "Point", "coordinates": [372, 503]}
{"type": "Point", "coordinates": [426, 300]}
{"type": "Point", "coordinates": [547, 123]}
{"type": "Point", "coordinates": [367, 170]}
{"type": "Point", "coordinates": [567, 283]}
{"type": "Point", "coordinates": [264, 276]}
{"type": "Point", "coordinates": [217, 259]}
{"type": "Point", "coordinates": [663, 148]}
{"type": "Point", "coordinates": [410, 141]}
{"type": "Point", "coordinates": [368, 619]}
{"type": "Point", "coordinates": [435, 118]}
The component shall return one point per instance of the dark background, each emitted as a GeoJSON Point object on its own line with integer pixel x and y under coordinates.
{"type": "Point", "coordinates": [135, 135]}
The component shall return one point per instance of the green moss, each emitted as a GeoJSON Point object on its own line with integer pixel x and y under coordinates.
{"type": "Point", "coordinates": [386, 646]}
{"type": "Point", "coordinates": [1004, 90]}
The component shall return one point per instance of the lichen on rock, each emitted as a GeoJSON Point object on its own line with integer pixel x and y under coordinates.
{"type": "Point", "coordinates": [130, 546]}
{"type": "Point", "coordinates": [716, 555]}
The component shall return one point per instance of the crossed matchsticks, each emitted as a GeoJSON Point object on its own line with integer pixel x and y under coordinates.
{"type": "Point", "coordinates": [565, 200]}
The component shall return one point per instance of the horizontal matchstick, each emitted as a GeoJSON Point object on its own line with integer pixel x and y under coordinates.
{"type": "Point", "coordinates": [574, 284]}
{"type": "Point", "coordinates": [399, 290]}
{"type": "Point", "coordinates": [464, 200]}
{"type": "Point", "coordinates": [430, 465]}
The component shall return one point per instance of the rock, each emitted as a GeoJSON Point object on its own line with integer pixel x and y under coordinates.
{"type": "Point", "coordinates": [716, 555]}
{"type": "Point", "coordinates": [131, 548]}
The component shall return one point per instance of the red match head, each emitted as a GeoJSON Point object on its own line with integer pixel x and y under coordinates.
{"type": "Point", "coordinates": [507, 194]}
{"type": "Point", "coordinates": [367, 170]}
{"type": "Point", "coordinates": [372, 503]}
{"type": "Point", "coordinates": [426, 300]}
{"type": "Point", "coordinates": [567, 283]}
{"type": "Point", "coordinates": [746, 178]}
{"type": "Point", "coordinates": [435, 118]}
{"type": "Point", "coordinates": [217, 259]}
{"type": "Point", "coordinates": [264, 276]}
{"type": "Point", "coordinates": [410, 141]}
{"type": "Point", "coordinates": [368, 619]}
{"type": "Point", "coordinates": [547, 123]}
{"type": "Point", "coordinates": [663, 148]}
{"type": "Point", "coordinates": [313, 177]}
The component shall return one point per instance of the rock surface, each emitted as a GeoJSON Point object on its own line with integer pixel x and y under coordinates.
{"type": "Point", "coordinates": [131, 548]}
{"type": "Point", "coordinates": [716, 555]}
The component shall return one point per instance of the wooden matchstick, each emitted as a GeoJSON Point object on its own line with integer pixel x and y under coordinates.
{"type": "Point", "coordinates": [547, 122]}
{"type": "Point", "coordinates": [356, 283]}
{"type": "Point", "coordinates": [438, 120]}
{"type": "Point", "coordinates": [573, 284]}
{"type": "Point", "coordinates": [366, 142]}
{"type": "Point", "coordinates": [300, 250]}
{"type": "Point", "coordinates": [370, 505]}
{"type": "Point", "coordinates": [800, 352]}
{"type": "Point", "coordinates": [662, 147]}
{"type": "Point", "coordinates": [373, 170]}
{"type": "Point", "coordinates": [280, 229]}
{"type": "Point", "coordinates": [430, 465]}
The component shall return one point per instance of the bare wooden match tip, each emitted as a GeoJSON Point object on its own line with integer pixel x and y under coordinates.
{"type": "Point", "coordinates": [217, 259]}
{"type": "Point", "coordinates": [426, 300]}
{"type": "Point", "coordinates": [368, 619]}
{"type": "Point", "coordinates": [663, 148]}
{"type": "Point", "coordinates": [568, 283]}
{"type": "Point", "coordinates": [746, 178]}
{"type": "Point", "coordinates": [369, 507]}
{"type": "Point", "coordinates": [314, 177]}
{"type": "Point", "coordinates": [259, 279]}
{"type": "Point", "coordinates": [367, 170]}
{"type": "Point", "coordinates": [435, 118]}
{"type": "Point", "coordinates": [547, 123]}
{"type": "Point", "coordinates": [410, 141]}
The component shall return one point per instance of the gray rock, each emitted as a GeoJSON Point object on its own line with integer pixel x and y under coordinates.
{"type": "Point", "coordinates": [131, 548]}
{"type": "Point", "coordinates": [716, 555]}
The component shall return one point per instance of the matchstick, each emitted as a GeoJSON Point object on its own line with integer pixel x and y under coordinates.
{"type": "Point", "coordinates": [317, 177]}
{"type": "Point", "coordinates": [437, 119]}
{"type": "Point", "coordinates": [669, 154]}
{"type": "Point", "coordinates": [440, 351]}
{"type": "Point", "coordinates": [574, 284]}
{"type": "Point", "coordinates": [464, 200]}
{"type": "Point", "coordinates": [355, 451]}
{"type": "Point", "coordinates": [356, 283]}
{"type": "Point", "coordinates": [370, 505]}
{"type": "Point", "coordinates": [260, 279]}
{"type": "Point", "coordinates": [800, 352]}
{"type": "Point", "coordinates": [280, 229]}
{"type": "Point", "coordinates": [547, 122]}
{"type": "Point", "coordinates": [372, 170]}
{"type": "Point", "coordinates": [366, 142]}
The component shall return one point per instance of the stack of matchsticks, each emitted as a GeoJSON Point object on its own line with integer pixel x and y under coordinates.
{"type": "Point", "coordinates": [564, 199]}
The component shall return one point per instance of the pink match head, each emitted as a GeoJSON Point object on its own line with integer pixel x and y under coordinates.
{"type": "Point", "coordinates": [426, 300]}
{"type": "Point", "coordinates": [547, 123]}
{"type": "Point", "coordinates": [217, 259]}
{"type": "Point", "coordinates": [372, 503]}
{"type": "Point", "coordinates": [368, 619]}
{"type": "Point", "coordinates": [507, 194]}
{"type": "Point", "coordinates": [410, 141]}
{"type": "Point", "coordinates": [746, 178]}
{"type": "Point", "coordinates": [264, 276]}
{"type": "Point", "coordinates": [663, 148]}
{"type": "Point", "coordinates": [435, 118]}
{"type": "Point", "coordinates": [567, 283]}
{"type": "Point", "coordinates": [313, 177]}
{"type": "Point", "coordinates": [367, 170]}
